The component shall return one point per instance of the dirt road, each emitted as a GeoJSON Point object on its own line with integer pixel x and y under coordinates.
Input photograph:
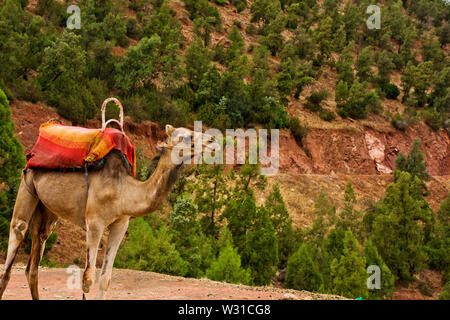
{"type": "Point", "coordinates": [139, 285]}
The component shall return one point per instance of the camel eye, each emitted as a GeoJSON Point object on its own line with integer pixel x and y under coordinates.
{"type": "Point", "coordinates": [186, 139]}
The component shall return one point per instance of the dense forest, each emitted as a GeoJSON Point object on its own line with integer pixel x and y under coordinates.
{"type": "Point", "coordinates": [135, 50]}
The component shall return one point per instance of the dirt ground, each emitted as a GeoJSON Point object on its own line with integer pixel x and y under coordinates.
{"type": "Point", "coordinates": [141, 285]}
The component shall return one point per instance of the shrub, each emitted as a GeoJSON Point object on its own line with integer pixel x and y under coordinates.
{"type": "Point", "coordinates": [317, 97]}
{"type": "Point", "coordinates": [240, 4]}
{"type": "Point", "coordinates": [326, 115]}
{"type": "Point", "coordinates": [237, 23]}
{"type": "Point", "coordinates": [391, 91]}
{"type": "Point", "coordinates": [28, 90]}
{"type": "Point", "coordinates": [251, 29]}
{"type": "Point", "coordinates": [228, 267]}
{"type": "Point", "coordinates": [298, 131]}
{"type": "Point", "coordinates": [220, 2]}
{"type": "Point", "coordinates": [134, 31]}
{"type": "Point", "coordinates": [432, 118]}
{"type": "Point", "coordinates": [445, 293]}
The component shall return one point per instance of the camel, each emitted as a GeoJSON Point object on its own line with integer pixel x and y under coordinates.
{"type": "Point", "coordinates": [114, 196]}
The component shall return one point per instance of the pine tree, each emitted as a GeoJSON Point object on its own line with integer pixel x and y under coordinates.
{"type": "Point", "coordinates": [261, 249]}
{"type": "Point", "coordinates": [150, 250]}
{"type": "Point", "coordinates": [324, 218]}
{"type": "Point", "coordinates": [302, 271]}
{"type": "Point", "coordinates": [413, 163]}
{"type": "Point", "coordinates": [282, 225]}
{"type": "Point", "coordinates": [210, 194]}
{"type": "Point", "coordinates": [438, 247]}
{"type": "Point", "coordinates": [344, 65]}
{"type": "Point", "coordinates": [228, 267]}
{"type": "Point", "coordinates": [399, 226]}
{"type": "Point", "coordinates": [197, 61]}
{"type": "Point", "coordinates": [364, 64]}
{"type": "Point", "coordinates": [12, 161]}
{"type": "Point", "coordinates": [341, 94]}
{"type": "Point", "coordinates": [349, 272]}
{"type": "Point", "coordinates": [194, 247]}
{"type": "Point", "coordinates": [385, 67]}
{"type": "Point", "coordinates": [349, 216]}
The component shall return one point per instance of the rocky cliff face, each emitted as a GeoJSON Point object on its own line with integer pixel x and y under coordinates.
{"type": "Point", "coordinates": [362, 151]}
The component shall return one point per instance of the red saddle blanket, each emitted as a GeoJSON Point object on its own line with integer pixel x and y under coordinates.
{"type": "Point", "coordinates": [61, 146]}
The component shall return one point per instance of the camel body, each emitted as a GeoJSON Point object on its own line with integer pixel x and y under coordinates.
{"type": "Point", "coordinates": [113, 197]}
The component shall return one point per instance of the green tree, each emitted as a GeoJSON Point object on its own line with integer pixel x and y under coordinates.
{"type": "Point", "coordinates": [260, 253]}
{"type": "Point", "coordinates": [302, 271]}
{"type": "Point", "coordinates": [398, 227]}
{"type": "Point", "coordinates": [349, 272]}
{"type": "Point", "coordinates": [211, 194]}
{"type": "Point", "coordinates": [237, 45]}
{"type": "Point", "coordinates": [324, 218]}
{"type": "Point", "coordinates": [341, 94]}
{"type": "Point", "coordinates": [264, 11]}
{"type": "Point", "coordinates": [350, 218]}
{"type": "Point", "coordinates": [12, 161]}
{"type": "Point", "coordinates": [344, 65]}
{"type": "Point", "coordinates": [445, 293]}
{"type": "Point", "coordinates": [228, 267]}
{"type": "Point", "coordinates": [418, 77]}
{"type": "Point", "coordinates": [194, 247]}
{"type": "Point", "coordinates": [145, 249]}
{"type": "Point", "coordinates": [282, 225]}
{"type": "Point", "coordinates": [364, 64]}
{"type": "Point", "coordinates": [385, 67]}
{"type": "Point", "coordinates": [62, 76]}
{"type": "Point", "coordinates": [197, 61]}
{"type": "Point", "coordinates": [414, 163]}
{"type": "Point", "coordinates": [438, 247]}
{"type": "Point", "coordinates": [323, 36]}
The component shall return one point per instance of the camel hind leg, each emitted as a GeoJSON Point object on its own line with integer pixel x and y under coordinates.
{"type": "Point", "coordinates": [23, 212]}
{"type": "Point", "coordinates": [42, 226]}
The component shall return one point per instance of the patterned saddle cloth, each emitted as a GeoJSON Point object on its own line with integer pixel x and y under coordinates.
{"type": "Point", "coordinates": [62, 147]}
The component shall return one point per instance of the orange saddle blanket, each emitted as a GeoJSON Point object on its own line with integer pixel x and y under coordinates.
{"type": "Point", "coordinates": [61, 146]}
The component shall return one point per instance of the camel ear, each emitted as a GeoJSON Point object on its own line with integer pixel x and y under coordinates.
{"type": "Point", "coordinates": [169, 129]}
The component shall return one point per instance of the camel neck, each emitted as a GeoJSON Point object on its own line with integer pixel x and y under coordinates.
{"type": "Point", "coordinates": [160, 183]}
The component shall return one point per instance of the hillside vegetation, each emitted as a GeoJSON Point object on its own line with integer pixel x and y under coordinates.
{"type": "Point", "coordinates": [272, 64]}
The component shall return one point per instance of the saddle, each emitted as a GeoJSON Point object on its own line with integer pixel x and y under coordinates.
{"type": "Point", "coordinates": [66, 147]}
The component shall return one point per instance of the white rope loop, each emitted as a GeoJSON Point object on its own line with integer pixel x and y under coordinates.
{"type": "Point", "coordinates": [120, 122]}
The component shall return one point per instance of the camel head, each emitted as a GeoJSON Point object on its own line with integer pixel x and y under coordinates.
{"type": "Point", "coordinates": [188, 142]}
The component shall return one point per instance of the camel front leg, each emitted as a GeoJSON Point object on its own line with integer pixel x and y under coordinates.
{"type": "Point", "coordinates": [94, 234]}
{"type": "Point", "coordinates": [116, 232]}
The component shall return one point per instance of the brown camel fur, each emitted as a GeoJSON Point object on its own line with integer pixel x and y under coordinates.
{"type": "Point", "coordinates": [114, 197]}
